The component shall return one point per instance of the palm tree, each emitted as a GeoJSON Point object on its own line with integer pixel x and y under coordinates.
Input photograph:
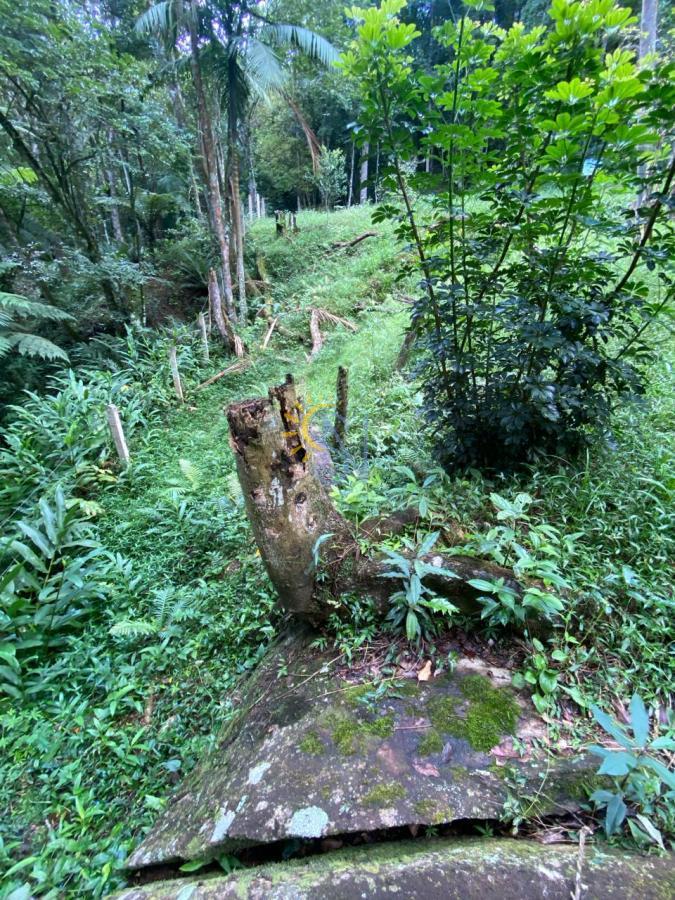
{"type": "Point", "coordinates": [237, 46]}
{"type": "Point", "coordinates": [15, 336]}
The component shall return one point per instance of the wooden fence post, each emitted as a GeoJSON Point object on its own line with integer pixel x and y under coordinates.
{"type": "Point", "coordinates": [205, 338]}
{"type": "Point", "coordinates": [118, 434]}
{"type": "Point", "coordinates": [173, 362]}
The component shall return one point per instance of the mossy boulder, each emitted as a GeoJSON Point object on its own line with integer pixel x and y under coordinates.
{"type": "Point", "coordinates": [453, 869]}
{"type": "Point", "coordinates": [309, 754]}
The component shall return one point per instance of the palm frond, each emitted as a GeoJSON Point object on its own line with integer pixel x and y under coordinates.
{"type": "Point", "coordinates": [262, 66]}
{"type": "Point", "coordinates": [160, 18]}
{"type": "Point", "coordinates": [306, 40]}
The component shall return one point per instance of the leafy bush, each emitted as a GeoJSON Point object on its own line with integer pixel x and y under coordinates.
{"type": "Point", "coordinates": [331, 179]}
{"type": "Point", "coordinates": [532, 551]}
{"type": "Point", "coordinates": [416, 608]}
{"type": "Point", "coordinates": [643, 786]}
{"type": "Point", "coordinates": [536, 302]}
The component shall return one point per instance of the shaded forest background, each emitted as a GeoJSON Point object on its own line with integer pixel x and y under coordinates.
{"type": "Point", "coordinates": [136, 145]}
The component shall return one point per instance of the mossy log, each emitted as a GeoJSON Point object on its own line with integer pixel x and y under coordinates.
{"type": "Point", "coordinates": [300, 533]}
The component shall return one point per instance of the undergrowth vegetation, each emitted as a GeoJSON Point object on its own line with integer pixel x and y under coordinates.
{"type": "Point", "coordinates": [133, 599]}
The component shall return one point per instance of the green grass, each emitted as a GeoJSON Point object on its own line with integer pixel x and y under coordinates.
{"type": "Point", "coordinates": [85, 768]}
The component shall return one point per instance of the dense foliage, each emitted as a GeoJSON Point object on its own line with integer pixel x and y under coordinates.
{"type": "Point", "coordinates": [541, 272]}
{"type": "Point", "coordinates": [510, 284]}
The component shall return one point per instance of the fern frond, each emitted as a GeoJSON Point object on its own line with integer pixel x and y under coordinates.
{"type": "Point", "coordinates": [17, 305]}
{"type": "Point", "coordinates": [161, 606]}
{"type": "Point", "coordinates": [234, 489]}
{"type": "Point", "coordinates": [34, 345]}
{"type": "Point", "coordinates": [190, 472]}
{"type": "Point", "coordinates": [129, 628]}
{"type": "Point", "coordinates": [306, 40]}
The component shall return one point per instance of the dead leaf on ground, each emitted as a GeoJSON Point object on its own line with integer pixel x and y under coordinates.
{"type": "Point", "coordinates": [424, 673]}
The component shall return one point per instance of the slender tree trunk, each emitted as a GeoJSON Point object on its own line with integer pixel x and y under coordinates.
{"type": "Point", "coordinates": [238, 233]}
{"type": "Point", "coordinates": [221, 320]}
{"type": "Point", "coordinates": [114, 211]}
{"type": "Point", "coordinates": [363, 195]}
{"type": "Point", "coordinates": [210, 158]}
{"type": "Point", "coordinates": [648, 22]}
{"type": "Point", "coordinates": [351, 179]}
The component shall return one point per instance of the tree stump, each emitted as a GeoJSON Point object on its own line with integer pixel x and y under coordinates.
{"type": "Point", "coordinates": [300, 533]}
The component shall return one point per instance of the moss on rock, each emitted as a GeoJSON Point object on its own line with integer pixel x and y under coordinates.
{"type": "Point", "coordinates": [491, 713]}
{"type": "Point", "coordinates": [432, 742]}
{"type": "Point", "coordinates": [384, 794]}
{"type": "Point", "coordinates": [311, 743]}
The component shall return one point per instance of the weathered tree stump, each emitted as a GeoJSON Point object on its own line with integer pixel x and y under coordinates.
{"type": "Point", "coordinates": [300, 533]}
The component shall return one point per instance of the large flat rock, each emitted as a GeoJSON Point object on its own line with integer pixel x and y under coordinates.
{"type": "Point", "coordinates": [309, 755]}
{"type": "Point", "coordinates": [469, 869]}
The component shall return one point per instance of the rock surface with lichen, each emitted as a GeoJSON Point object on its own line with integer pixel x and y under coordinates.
{"type": "Point", "coordinates": [459, 869]}
{"type": "Point", "coordinates": [308, 755]}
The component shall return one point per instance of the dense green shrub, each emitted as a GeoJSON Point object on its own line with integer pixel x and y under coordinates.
{"type": "Point", "coordinates": [536, 292]}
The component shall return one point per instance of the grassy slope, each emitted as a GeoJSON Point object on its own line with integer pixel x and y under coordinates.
{"type": "Point", "coordinates": [84, 774]}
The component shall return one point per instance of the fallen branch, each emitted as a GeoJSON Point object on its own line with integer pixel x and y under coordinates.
{"type": "Point", "coordinates": [269, 333]}
{"type": "Point", "coordinates": [322, 315]}
{"type": "Point", "coordinates": [344, 245]}
{"type": "Point", "coordinates": [240, 366]}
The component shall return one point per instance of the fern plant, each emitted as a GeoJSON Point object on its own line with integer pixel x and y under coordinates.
{"type": "Point", "coordinates": [13, 332]}
{"type": "Point", "coordinates": [52, 576]}
{"type": "Point", "coordinates": [165, 613]}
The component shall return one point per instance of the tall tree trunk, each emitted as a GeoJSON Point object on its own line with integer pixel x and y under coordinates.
{"type": "Point", "coordinates": [114, 210]}
{"type": "Point", "coordinates": [363, 195]}
{"type": "Point", "coordinates": [648, 22]}
{"type": "Point", "coordinates": [222, 322]}
{"type": "Point", "coordinates": [238, 234]}
{"type": "Point", "coordinates": [210, 159]}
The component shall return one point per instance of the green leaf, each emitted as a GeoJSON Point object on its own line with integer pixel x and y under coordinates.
{"type": "Point", "coordinates": [666, 776]}
{"type": "Point", "coordinates": [548, 682]}
{"type": "Point", "coordinates": [650, 830]}
{"type": "Point", "coordinates": [615, 814]}
{"type": "Point", "coordinates": [412, 626]}
{"type": "Point", "coordinates": [612, 728]}
{"type": "Point", "coordinates": [22, 864]}
{"type": "Point", "coordinates": [617, 763]}
{"type": "Point", "coordinates": [639, 720]}
{"type": "Point", "coordinates": [29, 555]}
{"type": "Point", "coordinates": [194, 865]}
{"type": "Point", "coordinates": [39, 539]}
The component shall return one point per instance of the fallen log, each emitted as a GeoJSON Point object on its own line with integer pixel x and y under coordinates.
{"type": "Point", "coordinates": [299, 532]}
{"type": "Point", "coordinates": [239, 366]}
{"type": "Point", "coordinates": [344, 245]}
